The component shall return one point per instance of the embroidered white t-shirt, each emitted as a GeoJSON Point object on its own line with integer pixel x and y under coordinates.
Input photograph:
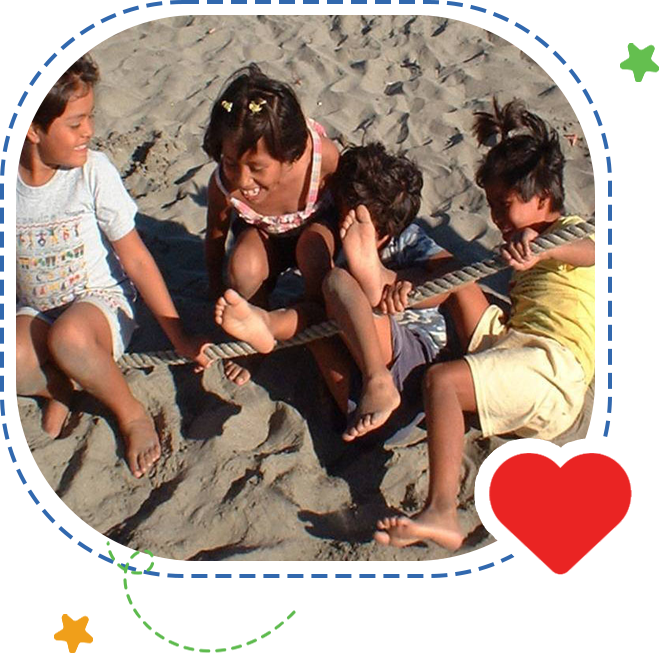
{"type": "Point", "coordinates": [64, 231]}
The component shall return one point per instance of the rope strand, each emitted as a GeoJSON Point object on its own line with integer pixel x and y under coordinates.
{"type": "Point", "coordinates": [439, 286]}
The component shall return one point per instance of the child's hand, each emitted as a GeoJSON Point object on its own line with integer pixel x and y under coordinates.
{"type": "Point", "coordinates": [395, 297]}
{"type": "Point", "coordinates": [517, 251]}
{"type": "Point", "coordinates": [192, 347]}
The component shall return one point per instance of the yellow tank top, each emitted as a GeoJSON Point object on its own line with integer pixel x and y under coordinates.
{"type": "Point", "coordinates": [557, 300]}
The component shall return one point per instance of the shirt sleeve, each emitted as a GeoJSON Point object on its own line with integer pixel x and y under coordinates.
{"type": "Point", "coordinates": [114, 207]}
{"type": "Point", "coordinates": [415, 246]}
{"type": "Point", "coordinates": [567, 220]}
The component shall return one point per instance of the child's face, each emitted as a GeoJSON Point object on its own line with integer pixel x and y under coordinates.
{"type": "Point", "coordinates": [254, 173]}
{"type": "Point", "coordinates": [510, 213]}
{"type": "Point", "coordinates": [65, 143]}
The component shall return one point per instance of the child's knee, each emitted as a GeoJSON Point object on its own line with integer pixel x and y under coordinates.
{"type": "Point", "coordinates": [24, 355]}
{"type": "Point", "coordinates": [315, 247]}
{"type": "Point", "coordinates": [437, 379]}
{"type": "Point", "coordinates": [26, 365]}
{"type": "Point", "coordinates": [68, 341]}
{"type": "Point", "coordinates": [247, 265]}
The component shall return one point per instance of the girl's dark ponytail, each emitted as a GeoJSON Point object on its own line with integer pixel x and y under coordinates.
{"type": "Point", "coordinates": [525, 154]}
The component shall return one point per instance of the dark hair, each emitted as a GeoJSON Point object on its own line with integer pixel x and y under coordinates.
{"type": "Point", "coordinates": [254, 106]}
{"type": "Point", "coordinates": [529, 162]}
{"type": "Point", "coordinates": [78, 79]}
{"type": "Point", "coordinates": [389, 185]}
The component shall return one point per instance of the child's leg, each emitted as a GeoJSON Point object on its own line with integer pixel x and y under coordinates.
{"type": "Point", "coordinates": [80, 342]}
{"type": "Point", "coordinates": [248, 269]}
{"type": "Point", "coordinates": [314, 255]}
{"type": "Point", "coordinates": [258, 327]}
{"type": "Point", "coordinates": [466, 306]}
{"type": "Point", "coordinates": [249, 265]}
{"type": "Point", "coordinates": [336, 367]}
{"type": "Point", "coordinates": [359, 241]}
{"type": "Point", "coordinates": [36, 376]}
{"type": "Point", "coordinates": [449, 393]}
{"type": "Point", "coordinates": [369, 341]}
{"type": "Point", "coordinates": [252, 324]}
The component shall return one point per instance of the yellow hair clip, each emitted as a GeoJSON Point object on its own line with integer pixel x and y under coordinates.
{"type": "Point", "coordinates": [255, 106]}
{"type": "Point", "coordinates": [227, 106]}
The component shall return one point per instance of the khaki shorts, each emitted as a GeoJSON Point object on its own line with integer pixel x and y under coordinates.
{"type": "Point", "coordinates": [115, 306]}
{"type": "Point", "coordinates": [525, 384]}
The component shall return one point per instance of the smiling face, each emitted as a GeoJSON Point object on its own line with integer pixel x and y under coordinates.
{"type": "Point", "coordinates": [253, 174]}
{"type": "Point", "coordinates": [64, 144]}
{"type": "Point", "coordinates": [510, 213]}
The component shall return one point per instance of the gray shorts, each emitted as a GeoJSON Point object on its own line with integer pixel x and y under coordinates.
{"type": "Point", "coordinates": [115, 306]}
{"type": "Point", "coordinates": [413, 352]}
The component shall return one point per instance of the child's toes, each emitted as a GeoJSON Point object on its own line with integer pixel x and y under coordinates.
{"type": "Point", "coordinates": [364, 424]}
{"type": "Point", "coordinates": [134, 466]}
{"type": "Point", "coordinates": [236, 373]}
{"type": "Point", "coordinates": [362, 214]}
{"type": "Point", "coordinates": [351, 433]}
{"type": "Point", "coordinates": [382, 537]}
{"type": "Point", "coordinates": [346, 223]}
{"type": "Point", "coordinates": [219, 311]}
{"type": "Point", "coordinates": [143, 463]}
{"type": "Point", "coordinates": [154, 455]}
{"type": "Point", "coordinates": [231, 297]}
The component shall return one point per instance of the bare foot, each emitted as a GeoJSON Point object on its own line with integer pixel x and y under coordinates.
{"type": "Point", "coordinates": [54, 417]}
{"type": "Point", "coordinates": [379, 399]}
{"type": "Point", "coordinates": [142, 445]}
{"type": "Point", "coordinates": [360, 245]}
{"type": "Point", "coordinates": [236, 373]}
{"type": "Point", "coordinates": [440, 527]}
{"type": "Point", "coordinates": [244, 321]}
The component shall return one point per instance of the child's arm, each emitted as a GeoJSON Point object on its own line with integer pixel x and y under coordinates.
{"type": "Point", "coordinates": [517, 253]}
{"type": "Point", "coordinates": [144, 273]}
{"type": "Point", "coordinates": [217, 229]}
{"type": "Point", "coordinates": [395, 295]}
{"type": "Point", "coordinates": [330, 160]}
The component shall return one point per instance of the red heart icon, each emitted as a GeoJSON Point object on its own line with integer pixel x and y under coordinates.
{"type": "Point", "coordinates": [560, 513]}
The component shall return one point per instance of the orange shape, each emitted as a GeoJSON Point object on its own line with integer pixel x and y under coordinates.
{"type": "Point", "coordinates": [74, 633]}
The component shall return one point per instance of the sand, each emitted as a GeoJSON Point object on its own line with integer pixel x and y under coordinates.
{"type": "Point", "coordinates": [260, 472]}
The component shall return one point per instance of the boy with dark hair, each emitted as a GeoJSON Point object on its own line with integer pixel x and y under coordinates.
{"type": "Point", "coordinates": [78, 255]}
{"type": "Point", "coordinates": [82, 74]}
{"type": "Point", "coordinates": [385, 253]}
{"type": "Point", "coordinates": [526, 374]}
{"type": "Point", "coordinates": [389, 185]}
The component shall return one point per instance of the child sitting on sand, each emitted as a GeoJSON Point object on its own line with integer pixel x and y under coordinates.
{"type": "Point", "coordinates": [378, 195]}
{"type": "Point", "coordinates": [77, 252]}
{"type": "Point", "coordinates": [272, 177]}
{"type": "Point", "coordinates": [525, 374]}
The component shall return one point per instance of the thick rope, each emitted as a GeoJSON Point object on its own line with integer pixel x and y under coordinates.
{"type": "Point", "coordinates": [439, 286]}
